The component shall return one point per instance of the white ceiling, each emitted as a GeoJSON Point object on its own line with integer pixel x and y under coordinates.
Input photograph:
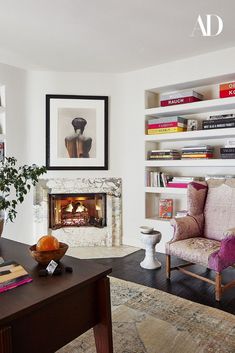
{"type": "Point", "coordinates": [107, 35]}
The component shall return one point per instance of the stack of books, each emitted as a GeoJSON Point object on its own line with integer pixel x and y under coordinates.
{"type": "Point", "coordinates": [187, 96]}
{"type": "Point", "coordinates": [219, 122]}
{"type": "Point", "coordinates": [228, 151]}
{"type": "Point", "coordinates": [156, 179]}
{"type": "Point", "coordinates": [166, 125]}
{"type": "Point", "coordinates": [227, 90]}
{"type": "Point", "coordinates": [197, 152]}
{"type": "Point", "coordinates": [182, 182]}
{"type": "Point", "coordinates": [164, 154]}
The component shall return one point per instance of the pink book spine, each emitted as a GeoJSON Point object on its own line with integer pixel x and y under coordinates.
{"type": "Point", "coordinates": [179, 101]}
{"type": "Point", "coordinates": [14, 285]}
{"type": "Point", "coordinates": [177, 185]}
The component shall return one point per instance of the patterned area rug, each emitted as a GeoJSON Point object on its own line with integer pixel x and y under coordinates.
{"type": "Point", "coordinates": [147, 320]}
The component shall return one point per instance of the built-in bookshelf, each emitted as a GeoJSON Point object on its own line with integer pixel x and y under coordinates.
{"type": "Point", "coordinates": [211, 105]}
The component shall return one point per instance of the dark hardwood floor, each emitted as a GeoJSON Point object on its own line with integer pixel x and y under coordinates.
{"type": "Point", "coordinates": [128, 268]}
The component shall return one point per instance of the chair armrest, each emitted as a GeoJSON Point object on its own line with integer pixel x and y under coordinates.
{"type": "Point", "coordinates": [187, 227]}
{"type": "Point", "coordinates": [225, 256]}
{"type": "Point", "coordinates": [229, 233]}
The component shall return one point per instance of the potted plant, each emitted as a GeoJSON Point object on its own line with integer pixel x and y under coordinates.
{"type": "Point", "coordinates": [15, 183]}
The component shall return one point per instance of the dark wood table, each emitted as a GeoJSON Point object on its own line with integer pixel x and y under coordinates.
{"type": "Point", "coordinates": [44, 315]}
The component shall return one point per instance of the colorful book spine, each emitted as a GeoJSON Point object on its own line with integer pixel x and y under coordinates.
{"type": "Point", "coordinates": [164, 125]}
{"type": "Point", "coordinates": [227, 93]}
{"type": "Point", "coordinates": [179, 101]}
{"type": "Point", "coordinates": [165, 130]}
{"type": "Point", "coordinates": [227, 86]}
{"type": "Point", "coordinates": [177, 185]}
{"type": "Point", "coordinates": [205, 155]}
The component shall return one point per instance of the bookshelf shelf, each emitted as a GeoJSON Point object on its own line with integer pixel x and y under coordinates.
{"type": "Point", "coordinates": [192, 163]}
{"type": "Point", "coordinates": [155, 218]}
{"type": "Point", "coordinates": [162, 190]}
{"type": "Point", "coordinates": [192, 135]}
{"type": "Point", "coordinates": [193, 108]}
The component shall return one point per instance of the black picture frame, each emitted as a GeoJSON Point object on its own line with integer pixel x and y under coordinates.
{"type": "Point", "coordinates": [55, 105]}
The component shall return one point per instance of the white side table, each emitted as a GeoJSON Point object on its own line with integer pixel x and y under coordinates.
{"type": "Point", "coordinates": [150, 240]}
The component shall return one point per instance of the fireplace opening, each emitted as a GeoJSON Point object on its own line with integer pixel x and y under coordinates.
{"type": "Point", "coordinates": [76, 210]}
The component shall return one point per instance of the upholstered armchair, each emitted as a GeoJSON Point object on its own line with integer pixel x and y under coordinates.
{"type": "Point", "coordinates": [206, 235]}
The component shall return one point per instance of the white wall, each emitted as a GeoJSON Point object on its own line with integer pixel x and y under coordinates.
{"type": "Point", "coordinates": [126, 117]}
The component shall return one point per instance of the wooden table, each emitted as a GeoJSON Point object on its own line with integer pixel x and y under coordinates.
{"type": "Point", "coordinates": [44, 315]}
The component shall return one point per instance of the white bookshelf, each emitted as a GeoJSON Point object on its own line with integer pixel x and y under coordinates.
{"type": "Point", "coordinates": [212, 105]}
{"type": "Point", "coordinates": [192, 163]}
{"type": "Point", "coordinates": [165, 190]}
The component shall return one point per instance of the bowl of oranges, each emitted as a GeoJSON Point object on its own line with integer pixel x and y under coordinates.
{"type": "Point", "coordinates": [48, 248]}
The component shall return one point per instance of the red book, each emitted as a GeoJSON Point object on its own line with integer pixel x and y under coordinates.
{"type": "Point", "coordinates": [162, 125]}
{"type": "Point", "coordinates": [177, 185]}
{"type": "Point", "coordinates": [179, 101]}
{"type": "Point", "coordinates": [227, 93]}
{"type": "Point", "coordinates": [165, 208]}
{"type": "Point", "coordinates": [227, 86]}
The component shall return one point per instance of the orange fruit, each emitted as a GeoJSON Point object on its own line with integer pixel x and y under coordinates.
{"type": "Point", "coordinates": [47, 242]}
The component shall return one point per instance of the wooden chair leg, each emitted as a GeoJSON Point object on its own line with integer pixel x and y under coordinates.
{"type": "Point", "coordinates": [168, 266]}
{"type": "Point", "coordinates": [218, 287]}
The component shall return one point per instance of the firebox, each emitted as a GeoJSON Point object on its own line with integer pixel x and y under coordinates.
{"type": "Point", "coordinates": [76, 210]}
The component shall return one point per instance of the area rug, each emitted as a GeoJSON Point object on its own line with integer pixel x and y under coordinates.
{"type": "Point", "coordinates": [147, 320]}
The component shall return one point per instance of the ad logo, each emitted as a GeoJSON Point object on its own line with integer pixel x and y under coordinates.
{"type": "Point", "coordinates": [205, 28]}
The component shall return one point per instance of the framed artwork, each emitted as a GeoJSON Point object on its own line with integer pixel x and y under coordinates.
{"type": "Point", "coordinates": [76, 132]}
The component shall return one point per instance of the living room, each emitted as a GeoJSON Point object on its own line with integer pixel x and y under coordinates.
{"type": "Point", "coordinates": [51, 54]}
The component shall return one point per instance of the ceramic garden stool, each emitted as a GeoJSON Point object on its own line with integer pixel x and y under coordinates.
{"type": "Point", "coordinates": [150, 240]}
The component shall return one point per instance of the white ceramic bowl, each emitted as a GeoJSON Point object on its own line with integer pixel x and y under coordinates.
{"type": "Point", "coordinates": [146, 230]}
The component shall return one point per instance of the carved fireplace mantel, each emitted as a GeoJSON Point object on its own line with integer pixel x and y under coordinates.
{"type": "Point", "coordinates": [110, 235]}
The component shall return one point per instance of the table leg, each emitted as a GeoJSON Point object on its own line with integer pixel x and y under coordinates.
{"type": "Point", "coordinates": [5, 340]}
{"type": "Point", "coordinates": [103, 330]}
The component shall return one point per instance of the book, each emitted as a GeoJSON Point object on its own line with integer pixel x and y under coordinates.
{"type": "Point", "coordinates": [12, 275]}
{"type": "Point", "coordinates": [181, 94]}
{"type": "Point", "coordinates": [165, 130]}
{"type": "Point", "coordinates": [165, 208]}
{"type": "Point", "coordinates": [227, 93]}
{"type": "Point", "coordinates": [184, 100]}
{"type": "Point", "coordinates": [165, 125]}
{"type": "Point", "coordinates": [218, 126]}
{"type": "Point", "coordinates": [228, 156]}
{"type": "Point", "coordinates": [221, 117]}
{"type": "Point", "coordinates": [227, 86]}
{"type": "Point", "coordinates": [230, 143]}
{"type": "Point", "coordinates": [218, 121]}
{"type": "Point", "coordinates": [169, 119]}
{"type": "Point", "coordinates": [177, 185]}
{"type": "Point", "coordinates": [227, 150]}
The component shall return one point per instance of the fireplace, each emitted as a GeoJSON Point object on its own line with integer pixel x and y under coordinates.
{"type": "Point", "coordinates": [76, 210]}
{"type": "Point", "coordinates": [106, 208]}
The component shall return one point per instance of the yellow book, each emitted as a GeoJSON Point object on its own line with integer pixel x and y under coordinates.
{"type": "Point", "coordinates": [165, 130]}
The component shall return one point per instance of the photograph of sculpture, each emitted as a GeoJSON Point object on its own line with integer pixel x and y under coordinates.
{"type": "Point", "coordinates": [76, 133]}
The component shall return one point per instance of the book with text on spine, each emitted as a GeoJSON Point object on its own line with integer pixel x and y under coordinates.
{"type": "Point", "coordinates": [12, 275]}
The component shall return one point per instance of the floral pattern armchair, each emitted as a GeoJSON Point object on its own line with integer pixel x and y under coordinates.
{"type": "Point", "coordinates": [206, 235]}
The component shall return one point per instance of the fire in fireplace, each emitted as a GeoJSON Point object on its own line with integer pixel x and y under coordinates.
{"type": "Point", "coordinates": [76, 210]}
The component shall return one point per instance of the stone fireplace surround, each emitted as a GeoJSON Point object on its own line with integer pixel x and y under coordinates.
{"type": "Point", "coordinates": [80, 236]}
